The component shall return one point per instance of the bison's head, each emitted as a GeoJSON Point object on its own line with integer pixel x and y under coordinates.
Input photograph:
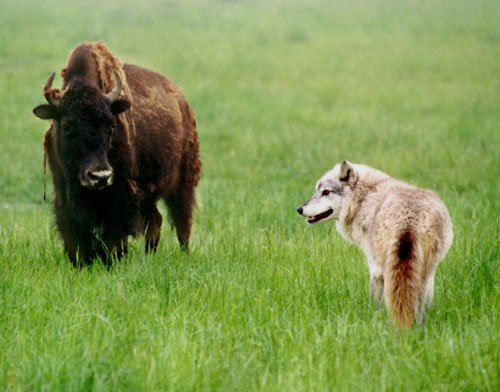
{"type": "Point", "coordinates": [84, 119]}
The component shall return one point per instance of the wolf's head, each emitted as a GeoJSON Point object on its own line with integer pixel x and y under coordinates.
{"type": "Point", "coordinates": [332, 190]}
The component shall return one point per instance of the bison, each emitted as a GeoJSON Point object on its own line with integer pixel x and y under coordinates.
{"type": "Point", "coordinates": [121, 138]}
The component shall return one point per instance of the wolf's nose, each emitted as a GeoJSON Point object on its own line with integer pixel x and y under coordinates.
{"type": "Point", "coordinates": [299, 210]}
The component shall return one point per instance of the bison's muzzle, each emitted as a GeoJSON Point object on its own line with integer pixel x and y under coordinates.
{"type": "Point", "coordinates": [97, 179]}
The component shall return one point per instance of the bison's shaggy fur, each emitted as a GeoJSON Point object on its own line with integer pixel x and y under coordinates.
{"type": "Point", "coordinates": [112, 156]}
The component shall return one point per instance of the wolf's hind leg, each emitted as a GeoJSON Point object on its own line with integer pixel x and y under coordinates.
{"type": "Point", "coordinates": [376, 289]}
{"type": "Point", "coordinates": [425, 299]}
{"type": "Point", "coordinates": [429, 290]}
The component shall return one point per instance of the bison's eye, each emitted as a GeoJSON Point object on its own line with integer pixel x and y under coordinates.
{"type": "Point", "coordinates": [68, 130]}
{"type": "Point", "coordinates": [326, 192]}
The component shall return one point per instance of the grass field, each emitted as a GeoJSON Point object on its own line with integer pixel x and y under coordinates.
{"type": "Point", "coordinates": [282, 91]}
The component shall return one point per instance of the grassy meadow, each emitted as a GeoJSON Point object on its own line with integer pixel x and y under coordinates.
{"type": "Point", "coordinates": [282, 90]}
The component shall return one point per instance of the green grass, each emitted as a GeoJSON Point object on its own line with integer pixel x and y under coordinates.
{"type": "Point", "coordinates": [282, 90]}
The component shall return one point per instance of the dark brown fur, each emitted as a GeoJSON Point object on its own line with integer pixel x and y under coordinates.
{"type": "Point", "coordinates": [152, 150]}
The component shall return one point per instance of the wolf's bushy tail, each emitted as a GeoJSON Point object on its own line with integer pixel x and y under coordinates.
{"type": "Point", "coordinates": [403, 278]}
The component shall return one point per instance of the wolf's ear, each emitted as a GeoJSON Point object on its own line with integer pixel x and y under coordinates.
{"type": "Point", "coordinates": [348, 174]}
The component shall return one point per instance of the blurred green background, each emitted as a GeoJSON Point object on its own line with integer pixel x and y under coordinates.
{"type": "Point", "coordinates": [282, 90]}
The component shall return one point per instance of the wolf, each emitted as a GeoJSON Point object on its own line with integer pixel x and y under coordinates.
{"type": "Point", "coordinates": [403, 230]}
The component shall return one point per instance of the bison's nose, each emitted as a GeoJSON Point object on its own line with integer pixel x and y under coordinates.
{"type": "Point", "coordinates": [300, 210]}
{"type": "Point", "coordinates": [99, 178]}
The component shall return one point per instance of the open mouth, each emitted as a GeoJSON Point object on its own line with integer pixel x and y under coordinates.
{"type": "Point", "coordinates": [323, 215]}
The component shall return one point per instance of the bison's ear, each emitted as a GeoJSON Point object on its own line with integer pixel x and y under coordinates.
{"type": "Point", "coordinates": [348, 173]}
{"type": "Point", "coordinates": [46, 112]}
{"type": "Point", "coordinates": [119, 106]}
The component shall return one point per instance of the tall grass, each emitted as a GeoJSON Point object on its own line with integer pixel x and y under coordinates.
{"type": "Point", "coordinates": [282, 90]}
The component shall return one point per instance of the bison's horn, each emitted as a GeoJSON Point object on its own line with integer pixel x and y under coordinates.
{"type": "Point", "coordinates": [113, 95]}
{"type": "Point", "coordinates": [48, 92]}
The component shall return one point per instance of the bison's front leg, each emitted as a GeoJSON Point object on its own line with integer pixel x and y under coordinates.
{"type": "Point", "coordinates": [112, 243]}
{"type": "Point", "coordinates": [112, 249]}
{"type": "Point", "coordinates": [79, 255]}
{"type": "Point", "coordinates": [78, 245]}
{"type": "Point", "coordinates": [89, 247]}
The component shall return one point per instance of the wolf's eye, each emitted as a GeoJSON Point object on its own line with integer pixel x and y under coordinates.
{"type": "Point", "coordinates": [326, 192]}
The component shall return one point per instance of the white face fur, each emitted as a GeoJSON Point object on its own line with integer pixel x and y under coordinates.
{"type": "Point", "coordinates": [326, 202]}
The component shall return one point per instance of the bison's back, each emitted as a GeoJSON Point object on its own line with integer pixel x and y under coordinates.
{"type": "Point", "coordinates": [163, 126]}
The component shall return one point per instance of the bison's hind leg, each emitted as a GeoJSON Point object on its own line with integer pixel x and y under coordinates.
{"type": "Point", "coordinates": [152, 222]}
{"type": "Point", "coordinates": [180, 207]}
